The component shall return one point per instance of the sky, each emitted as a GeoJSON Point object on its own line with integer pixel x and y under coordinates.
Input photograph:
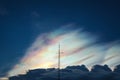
{"type": "Point", "coordinates": [31, 30]}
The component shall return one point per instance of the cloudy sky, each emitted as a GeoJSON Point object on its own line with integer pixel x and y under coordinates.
{"type": "Point", "coordinates": [31, 30]}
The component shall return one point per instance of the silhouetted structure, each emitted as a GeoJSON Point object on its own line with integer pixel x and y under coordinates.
{"type": "Point", "coordinates": [98, 72]}
{"type": "Point", "coordinates": [59, 63]}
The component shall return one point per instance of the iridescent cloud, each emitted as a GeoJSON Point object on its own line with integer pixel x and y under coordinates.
{"type": "Point", "coordinates": [77, 47]}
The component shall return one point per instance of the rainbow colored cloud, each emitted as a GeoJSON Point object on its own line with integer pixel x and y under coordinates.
{"type": "Point", "coordinates": [77, 47]}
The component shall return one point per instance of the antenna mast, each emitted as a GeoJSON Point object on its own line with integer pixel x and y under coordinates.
{"type": "Point", "coordinates": [59, 63]}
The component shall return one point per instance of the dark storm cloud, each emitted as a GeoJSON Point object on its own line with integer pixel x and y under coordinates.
{"type": "Point", "coordinates": [98, 72]}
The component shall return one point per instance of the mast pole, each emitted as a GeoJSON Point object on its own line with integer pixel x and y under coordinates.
{"type": "Point", "coordinates": [59, 63]}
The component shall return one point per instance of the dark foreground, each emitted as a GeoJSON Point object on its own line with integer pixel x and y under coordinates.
{"type": "Point", "coordinates": [98, 72]}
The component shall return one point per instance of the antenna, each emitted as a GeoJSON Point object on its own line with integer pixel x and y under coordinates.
{"type": "Point", "coordinates": [59, 62]}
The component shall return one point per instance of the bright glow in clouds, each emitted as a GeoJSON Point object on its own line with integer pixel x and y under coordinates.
{"type": "Point", "coordinates": [77, 47]}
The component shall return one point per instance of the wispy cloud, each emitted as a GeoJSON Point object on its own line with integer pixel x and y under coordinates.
{"type": "Point", "coordinates": [78, 47]}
